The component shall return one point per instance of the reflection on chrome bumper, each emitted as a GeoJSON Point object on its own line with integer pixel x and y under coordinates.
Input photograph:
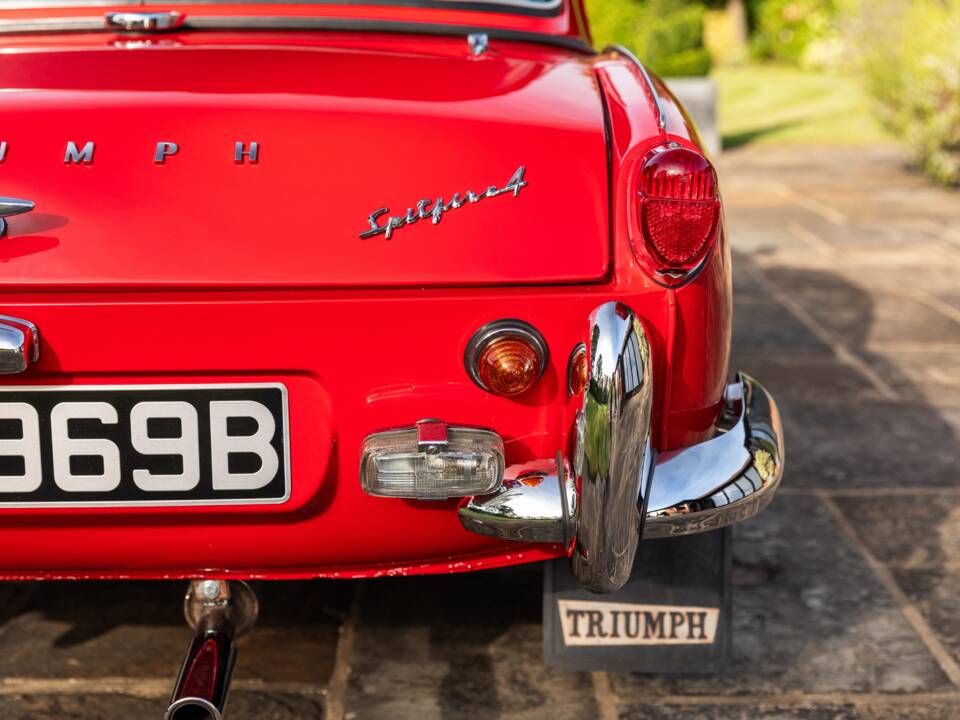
{"type": "Point", "coordinates": [703, 487]}
{"type": "Point", "coordinates": [724, 480]}
{"type": "Point", "coordinates": [537, 502]}
{"type": "Point", "coordinates": [614, 459]}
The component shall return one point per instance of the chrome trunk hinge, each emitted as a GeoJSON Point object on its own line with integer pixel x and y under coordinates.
{"type": "Point", "coordinates": [144, 21]}
{"type": "Point", "coordinates": [10, 207]}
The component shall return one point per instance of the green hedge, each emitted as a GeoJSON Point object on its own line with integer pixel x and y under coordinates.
{"type": "Point", "coordinates": [910, 57]}
{"type": "Point", "coordinates": [666, 34]}
{"type": "Point", "coordinates": [782, 30]}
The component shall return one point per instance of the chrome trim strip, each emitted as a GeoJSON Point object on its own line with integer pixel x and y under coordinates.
{"type": "Point", "coordinates": [165, 503]}
{"type": "Point", "coordinates": [615, 458]}
{"type": "Point", "coordinates": [259, 22]}
{"type": "Point", "coordinates": [53, 25]}
{"type": "Point", "coordinates": [661, 115]}
{"type": "Point", "coordinates": [535, 503]}
{"type": "Point", "coordinates": [724, 480]}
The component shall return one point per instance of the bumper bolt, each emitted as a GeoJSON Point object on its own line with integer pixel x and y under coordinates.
{"type": "Point", "coordinates": [210, 589]}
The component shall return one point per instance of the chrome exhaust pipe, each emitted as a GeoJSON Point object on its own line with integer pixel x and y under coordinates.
{"type": "Point", "coordinates": [218, 612]}
{"type": "Point", "coordinates": [201, 690]}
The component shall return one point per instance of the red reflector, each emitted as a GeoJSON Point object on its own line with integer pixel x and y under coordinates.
{"type": "Point", "coordinates": [679, 208]}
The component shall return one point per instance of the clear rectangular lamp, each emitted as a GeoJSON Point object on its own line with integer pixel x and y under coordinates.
{"type": "Point", "coordinates": [399, 464]}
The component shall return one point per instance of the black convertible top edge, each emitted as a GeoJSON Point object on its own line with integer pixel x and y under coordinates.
{"type": "Point", "coordinates": [360, 25]}
{"type": "Point", "coordinates": [256, 22]}
{"type": "Point", "coordinates": [550, 8]}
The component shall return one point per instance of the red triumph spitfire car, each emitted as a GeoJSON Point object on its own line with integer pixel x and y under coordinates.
{"type": "Point", "coordinates": [342, 290]}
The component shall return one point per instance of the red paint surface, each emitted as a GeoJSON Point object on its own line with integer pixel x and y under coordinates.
{"type": "Point", "coordinates": [125, 266]}
{"type": "Point", "coordinates": [344, 127]}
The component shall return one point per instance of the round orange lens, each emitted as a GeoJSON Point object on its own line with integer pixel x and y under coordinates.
{"type": "Point", "coordinates": [508, 366]}
{"type": "Point", "coordinates": [579, 371]}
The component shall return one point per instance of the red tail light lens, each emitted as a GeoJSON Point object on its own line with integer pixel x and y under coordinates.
{"type": "Point", "coordinates": [679, 208]}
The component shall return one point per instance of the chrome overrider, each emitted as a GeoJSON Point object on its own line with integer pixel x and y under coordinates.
{"type": "Point", "coordinates": [626, 492]}
{"type": "Point", "coordinates": [613, 457]}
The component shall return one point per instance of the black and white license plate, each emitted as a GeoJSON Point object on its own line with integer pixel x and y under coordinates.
{"type": "Point", "coordinates": [117, 445]}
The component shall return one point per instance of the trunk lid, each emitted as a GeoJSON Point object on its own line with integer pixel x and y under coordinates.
{"type": "Point", "coordinates": [345, 125]}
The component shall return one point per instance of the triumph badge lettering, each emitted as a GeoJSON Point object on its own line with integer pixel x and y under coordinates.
{"type": "Point", "coordinates": [591, 623]}
{"type": "Point", "coordinates": [422, 211]}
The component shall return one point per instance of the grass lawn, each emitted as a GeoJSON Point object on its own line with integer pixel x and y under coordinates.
{"type": "Point", "coordinates": [771, 103]}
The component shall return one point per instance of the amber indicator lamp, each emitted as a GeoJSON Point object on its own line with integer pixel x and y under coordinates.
{"type": "Point", "coordinates": [506, 357]}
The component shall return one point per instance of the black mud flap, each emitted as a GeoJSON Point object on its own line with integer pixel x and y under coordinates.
{"type": "Point", "coordinates": [673, 615]}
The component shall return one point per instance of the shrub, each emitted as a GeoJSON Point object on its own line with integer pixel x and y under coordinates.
{"type": "Point", "coordinates": [784, 29]}
{"type": "Point", "coordinates": [666, 34]}
{"type": "Point", "coordinates": [910, 57]}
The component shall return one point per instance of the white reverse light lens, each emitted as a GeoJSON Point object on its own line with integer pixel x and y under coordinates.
{"type": "Point", "coordinates": [394, 464]}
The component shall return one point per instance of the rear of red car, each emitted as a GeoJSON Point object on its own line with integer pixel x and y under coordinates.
{"type": "Point", "coordinates": [270, 241]}
{"type": "Point", "coordinates": [297, 290]}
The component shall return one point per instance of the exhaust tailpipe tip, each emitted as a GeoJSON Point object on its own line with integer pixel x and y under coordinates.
{"type": "Point", "coordinates": [218, 612]}
{"type": "Point", "coordinates": [190, 708]}
{"type": "Point", "coordinates": [204, 682]}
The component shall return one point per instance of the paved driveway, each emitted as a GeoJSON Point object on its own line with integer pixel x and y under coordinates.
{"type": "Point", "coordinates": [848, 308]}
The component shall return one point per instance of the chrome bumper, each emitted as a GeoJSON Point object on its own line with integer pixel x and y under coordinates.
{"type": "Point", "coordinates": [624, 494]}
{"type": "Point", "coordinates": [724, 480]}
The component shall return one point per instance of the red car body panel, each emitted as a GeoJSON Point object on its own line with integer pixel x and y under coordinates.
{"type": "Point", "coordinates": [201, 270]}
{"type": "Point", "coordinates": [343, 126]}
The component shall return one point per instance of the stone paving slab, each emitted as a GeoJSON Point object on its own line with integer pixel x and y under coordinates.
{"type": "Point", "coordinates": [136, 630]}
{"type": "Point", "coordinates": [931, 373]}
{"type": "Point", "coordinates": [855, 316]}
{"type": "Point", "coordinates": [869, 444]}
{"type": "Point", "coordinates": [84, 630]}
{"type": "Point", "coordinates": [801, 377]}
{"type": "Point", "coordinates": [809, 616]}
{"type": "Point", "coordinates": [728, 712]}
{"type": "Point", "coordinates": [919, 539]}
{"type": "Point", "coordinates": [243, 705]}
{"type": "Point", "coordinates": [466, 646]}
{"type": "Point", "coordinates": [951, 298]}
{"type": "Point", "coordinates": [876, 269]}
{"type": "Point", "coordinates": [763, 329]}
{"type": "Point", "coordinates": [943, 711]}
{"type": "Point", "coordinates": [863, 184]}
